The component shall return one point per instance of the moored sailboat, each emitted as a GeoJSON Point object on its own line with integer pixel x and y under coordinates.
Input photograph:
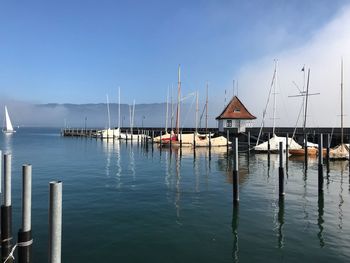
{"type": "Point", "coordinates": [341, 151]}
{"type": "Point", "coordinates": [272, 145]}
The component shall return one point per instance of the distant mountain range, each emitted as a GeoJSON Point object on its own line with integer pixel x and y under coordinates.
{"type": "Point", "coordinates": [96, 116]}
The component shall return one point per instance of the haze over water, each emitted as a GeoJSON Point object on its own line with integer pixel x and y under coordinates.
{"type": "Point", "coordinates": [127, 203]}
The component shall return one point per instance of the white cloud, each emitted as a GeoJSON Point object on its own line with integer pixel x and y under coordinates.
{"type": "Point", "coordinates": [322, 54]}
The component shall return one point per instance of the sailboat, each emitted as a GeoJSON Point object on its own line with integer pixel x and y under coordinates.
{"type": "Point", "coordinates": [341, 151]}
{"type": "Point", "coordinates": [8, 128]}
{"type": "Point", "coordinates": [312, 148]}
{"type": "Point", "coordinates": [166, 136]}
{"type": "Point", "coordinates": [207, 139]}
{"type": "Point", "coordinates": [109, 133]}
{"type": "Point", "coordinates": [275, 140]}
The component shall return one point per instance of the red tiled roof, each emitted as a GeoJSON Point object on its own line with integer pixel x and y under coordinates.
{"type": "Point", "coordinates": [235, 110]}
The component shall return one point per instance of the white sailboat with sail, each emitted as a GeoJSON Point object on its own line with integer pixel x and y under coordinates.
{"type": "Point", "coordinates": [8, 128]}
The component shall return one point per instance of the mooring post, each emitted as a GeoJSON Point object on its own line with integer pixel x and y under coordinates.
{"type": "Point", "coordinates": [209, 140]}
{"type": "Point", "coordinates": [25, 233]}
{"type": "Point", "coordinates": [227, 139]}
{"type": "Point", "coordinates": [287, 150]}
{"type": "Point", "coordinates": [320, 163]}
{"type": "Point", "coordinates": [194, 140]}
{"type": "Point", "coordinates": [6, 213]}
{"type": "Point", "coordinates": [248, 142]}
{"type": "Point", "coordinates": [327, 151]}
{"type": "Point", "coordinates": [160, 138]}
{"type": "Point", "coordinates": [181, 139]}
{"type": "Point", "coordinates": [0, 169]}
{"type": "Point", "coordinates": [305, 150]}
{"type": "Point", "coordinates": [138, 137]}
{"type": "Point", "coordinates": [280, 171]}
{"type": "Point", "coordinates": [55, 222]}
{"type": "Point", "coordinates": [268, 150]}
{"type": "Point", "coordinates": [235, 179]}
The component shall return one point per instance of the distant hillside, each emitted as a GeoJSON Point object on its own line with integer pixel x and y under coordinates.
{"type": "Point", "coordinates": [73, 115]}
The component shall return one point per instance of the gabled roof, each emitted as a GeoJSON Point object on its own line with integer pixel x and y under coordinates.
{"type": "Point", "coordinates": [235, 110]}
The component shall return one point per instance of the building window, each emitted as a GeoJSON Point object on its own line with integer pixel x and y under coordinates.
{"type": "Point", "coordinates": [229, 123]}
{"type": "Point", "coordinates": [237, 110]}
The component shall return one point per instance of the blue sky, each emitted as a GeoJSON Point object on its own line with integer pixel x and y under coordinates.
{"type": "Point", "coordinates": [78, 51]}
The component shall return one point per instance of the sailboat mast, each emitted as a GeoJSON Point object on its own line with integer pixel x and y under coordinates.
{"type": "Point", "coordinates": [341, 104]}
{"type": "Point", "coordinates": [206, 111]}
{"type": "Point", "coordinates": [306, 99]}
{"type": "Point", "coordinates": [178, 101]}
{"type": "Point", "coordinates": [109, 117]}
{"type": "Point", "coordinates": [172, 109]}
{"type": "Point", "coordinates": [167, 110]}
{"type": "Point", "coordinates": [274, 99]}
{"type": "Point", "coordinates": [118, 107]}
{"type": "Point", "coordinates": [196, 112]}
{"type": "Point", "coordinates": [133, 114]}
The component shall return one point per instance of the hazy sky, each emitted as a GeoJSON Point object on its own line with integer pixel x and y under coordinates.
{"type": "Point", "coordinates": [78, 51]}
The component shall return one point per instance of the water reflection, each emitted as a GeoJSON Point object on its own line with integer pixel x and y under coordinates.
{"type": "Point", "coordinates": [341, 201]}
{"type": "Point", "coordinates": [112, 149]}
{"type": "Point", "coordinates": [235, 222]}
{"type": "Point", "coordinates": [280, 222]}
{"type": "Point", "coordinates": [178, 184]}
{"type": "Point", "coordinates": [320, 219]}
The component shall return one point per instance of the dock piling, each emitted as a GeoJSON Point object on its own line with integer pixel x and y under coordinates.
{"type": "Point", "coordinates": [305, 151]}
{"type": "Point", "coordinates": [235, 173]}
{"type": "Point", "coordinates": [287, 150]}
{"type": "Point", "coordinates": [6, 212]}
{"type": "Point", "coordinates": [228, 139]}
{"type": "Point", "coordinates": [281, 171]}
{"type": "Point", "coordinates": [25, 233]}
{"type": "Point", "coordinates": [268, 150]}
{"type": "Point", "coordinates": [248, 143]}
{"type": "Point", "coordinates": [55, 222]}
{"type": "Point", "coordinates": [320, 163]}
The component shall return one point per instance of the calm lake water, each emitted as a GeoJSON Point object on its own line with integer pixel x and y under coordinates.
{"type": "Point", "coordinates": [126, 203]}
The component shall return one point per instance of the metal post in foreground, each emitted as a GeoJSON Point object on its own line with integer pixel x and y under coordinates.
{"type": "Point", "coordinates": [6, 213]}
{"type": "Point", "coordinates": [0, 169]}
{"type": "Point", "coordinates": [235, 172]}
{"type": "Point", "coordinates": [320, 163]}
{"type": "Point", "coordinates": [55, 222]}
{"type": "Point", "coordinates": [280, 171]}
{"type": "Point", "coordinates": [25, 233]}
